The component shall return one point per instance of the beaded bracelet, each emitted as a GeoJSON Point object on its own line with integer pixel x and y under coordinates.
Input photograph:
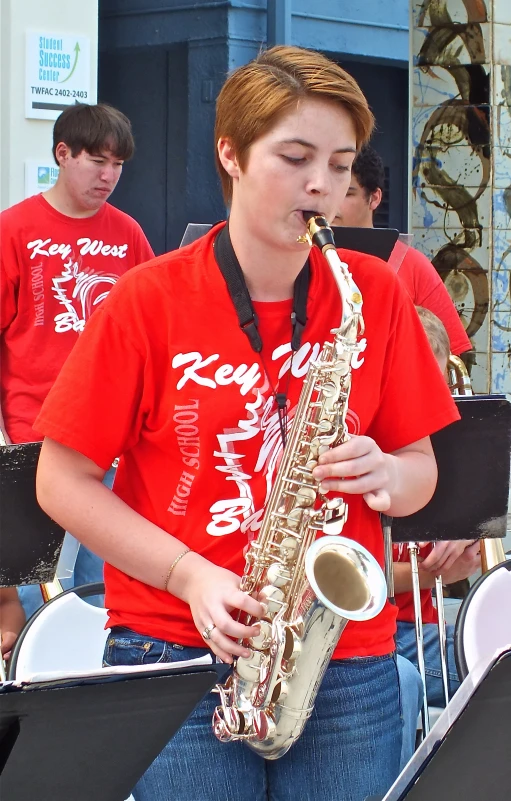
{"type": "Point", "coordinates": [171, 568]}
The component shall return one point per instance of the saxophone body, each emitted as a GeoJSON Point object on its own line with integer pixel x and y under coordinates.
{"type": "Point", "coordinates": [310, 579]}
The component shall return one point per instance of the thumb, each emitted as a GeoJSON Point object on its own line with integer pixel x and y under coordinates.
{"type": "Point", "coordinates": [378, 500]}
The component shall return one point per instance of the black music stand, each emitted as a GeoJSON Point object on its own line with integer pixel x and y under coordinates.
{"type": "Point", "coordinates": [373, 241]}
{"type": "Point", "coordinates": [473, 457]}
{"type": "Point", "coordinates": [194, 231]}
{"type": "Point", "coordinates": [72, 741]}
{"type": "Point", "coordinates": [466, 753]}
{"type": "Point", "coordinates": [30, 541]}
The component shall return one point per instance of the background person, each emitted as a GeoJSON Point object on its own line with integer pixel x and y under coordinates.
{"type": "Point", "coordinates": [417, 273]}
{"type": "Point", "coordinates": [168, 344]}
{"type": "Point", "coordinates": [454, 561]}
{"type": "Point", "coordinates": [62, 252]}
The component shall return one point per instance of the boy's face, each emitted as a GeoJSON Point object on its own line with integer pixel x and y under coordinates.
{"type": "Point", "coordinates": [88, 179]}
{"type": "Point", "coordinates": [356, 209]}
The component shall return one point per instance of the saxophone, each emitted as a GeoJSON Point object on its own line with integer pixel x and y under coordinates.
{"type": "Point", "coordinates": [310, 587]}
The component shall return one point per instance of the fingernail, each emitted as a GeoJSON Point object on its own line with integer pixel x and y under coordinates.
{"type": "Point", "coordinates": [246, 654]}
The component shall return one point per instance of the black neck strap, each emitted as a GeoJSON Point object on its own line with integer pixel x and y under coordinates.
{"type": "Point", "coordinates": [235, 280]}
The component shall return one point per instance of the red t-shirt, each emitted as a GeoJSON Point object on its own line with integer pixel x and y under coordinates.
{"type": "Point", "coordinates": [55, 270]}
{"type": "Point", "coordinates": [164, 376]}
{"type": "Point", "coordinates": [404, 600]}
{"type": "Point", "coordinates": [427, 289]}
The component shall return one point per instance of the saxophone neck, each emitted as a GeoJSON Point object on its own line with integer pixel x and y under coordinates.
{"type": "Point", "coordinates": [320, 235]}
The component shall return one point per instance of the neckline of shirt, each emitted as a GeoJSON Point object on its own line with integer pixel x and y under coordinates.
{"type": "Point", "coordinates": [65, 218]}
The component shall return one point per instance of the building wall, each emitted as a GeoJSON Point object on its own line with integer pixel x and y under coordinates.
{"type": "Point", "coordinates": [22, 138]}
{"type": "Point", "coordinates": [164, 67]}
{"type": "Point", "coordinates": [461, 132]}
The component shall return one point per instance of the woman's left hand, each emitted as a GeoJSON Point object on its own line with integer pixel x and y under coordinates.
{"type": "Point", "coordinates": [358, 467]}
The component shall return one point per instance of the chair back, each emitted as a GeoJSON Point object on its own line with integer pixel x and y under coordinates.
{"type": "Point", "coordinates": [65, 635]}
{"type": "Point", "coordinates": [484, 621]}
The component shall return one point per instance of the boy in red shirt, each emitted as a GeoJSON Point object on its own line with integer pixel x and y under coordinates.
{"type": "Point", "coordinates": [62, 251]}
{"type": "Point", "coordinates": [199, 416]}
{"type": "Point", "coordinates": [416, 272]}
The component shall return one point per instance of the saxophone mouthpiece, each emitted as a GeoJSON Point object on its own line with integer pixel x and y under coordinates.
{"type": "Point", "coordinates": [319, 232]}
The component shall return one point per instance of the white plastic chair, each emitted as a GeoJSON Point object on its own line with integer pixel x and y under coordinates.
{"type": "Point", "coordinates": [484, 622]}
{"type": "Point", "coordinates": [66, 635]}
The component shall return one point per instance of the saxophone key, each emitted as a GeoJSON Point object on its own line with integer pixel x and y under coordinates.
{"type": "Point", "coordinates": [280, 691]}
{"type": "Point", "coordinates": [293, 521]}
{"type": "Point", "coordinates": [249, 667]}
{"type": "Point", "coordinates": [292, 648]}
{"type": "Point", "coordinates": [289, 545]}
{"type": "Point", "coordinates": [329, 389]}
{"type": "Point", "coordinates": [262, 640]}
{"type": "Point", "coordinates": [278, 575]}
{"type": "Point", "coordinates": [306, 496]}
{"type": "Point", "coordinates": [264, 725]}
{"type": "Point", "coordinates": [272, 598]}
{"type": "Point", "coordinates": [228, 723]}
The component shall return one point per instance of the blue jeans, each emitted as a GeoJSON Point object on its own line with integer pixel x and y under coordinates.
{"type": "Point", "coordinates": [412, 695]}
{"type": "Point", "coordinates": [350, 748]}
{"type": "Point", "coordinates": [407, 647]}
{"type": "Point", "coordinates": [88, 569]}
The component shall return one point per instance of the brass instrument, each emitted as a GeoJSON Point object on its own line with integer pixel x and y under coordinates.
{"type": "Point", "coordinates": [309, 586]}
{"type": "Point", "coordinates": [458, 377]}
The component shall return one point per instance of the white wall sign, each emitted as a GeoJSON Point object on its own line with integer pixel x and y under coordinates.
{"type": "Point", "coordinates": [57, 73]}
{"type": "Point", "coordinates": [39, 176]}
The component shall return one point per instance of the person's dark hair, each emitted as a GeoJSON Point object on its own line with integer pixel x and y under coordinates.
{"type": "Point", "coordinates": [368, 170]}
{"type": "Point", "coordinates": [95, 129]}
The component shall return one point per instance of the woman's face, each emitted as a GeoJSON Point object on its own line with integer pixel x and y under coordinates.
{"type": "Point", "coordinates": [303, 163]}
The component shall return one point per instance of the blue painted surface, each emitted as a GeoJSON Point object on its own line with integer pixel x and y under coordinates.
{"type": "Point", "coordinates": [163, 62]}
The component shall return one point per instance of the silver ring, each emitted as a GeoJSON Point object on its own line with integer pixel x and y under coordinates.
{"type": "Point", "coordinates": [206, 634]}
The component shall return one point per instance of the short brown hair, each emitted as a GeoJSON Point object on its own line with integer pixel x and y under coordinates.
{"type": "Point", "coordinates": [255, 96]}
{"type": "Point", "coordinates": [95, 129]}
{"type": "Point", "coordinates": [436, 333]}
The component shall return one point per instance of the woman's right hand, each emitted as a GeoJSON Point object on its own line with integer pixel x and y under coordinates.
{"type": "Point", "coordinates": [212, 593]}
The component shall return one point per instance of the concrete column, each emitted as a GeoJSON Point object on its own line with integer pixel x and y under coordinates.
{"type": "Point", "coordinates": [461, 139]}
{"type": "Point", "coordinates": [22, 138]}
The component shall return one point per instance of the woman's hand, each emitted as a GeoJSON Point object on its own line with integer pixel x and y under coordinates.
{"type": "Point", "coordinates": [358, 467]}
{"type": "Point", "coordinates": [212, 594]}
